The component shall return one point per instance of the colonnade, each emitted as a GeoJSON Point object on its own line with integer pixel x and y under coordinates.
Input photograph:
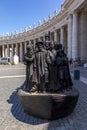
{"type": "Point", "coordinates": [9, 50]}
{"type": "Point", "coordinates": [68, 29]}
{"type": "Point", "coordinates": [77, 35]}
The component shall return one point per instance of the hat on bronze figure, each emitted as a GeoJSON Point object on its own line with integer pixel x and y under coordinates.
{"type": "Point", "coordinates": [39, 43]}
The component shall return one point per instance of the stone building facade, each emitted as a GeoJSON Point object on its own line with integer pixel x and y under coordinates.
{"type": "Point", "coordinates": [69, 27]}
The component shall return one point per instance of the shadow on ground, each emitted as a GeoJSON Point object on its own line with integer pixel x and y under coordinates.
{"type": "Point", "coordinates": [18, 111]}
{"type": "Point", "coordinates": [77, 120]}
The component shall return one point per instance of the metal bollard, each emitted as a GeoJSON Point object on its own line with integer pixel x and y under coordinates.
{"type": "Point", "coordinates": [76, 74]}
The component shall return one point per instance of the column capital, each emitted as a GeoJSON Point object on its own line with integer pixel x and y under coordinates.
{"type": "Point", "coordinates": [70, 17]}
{"type": "Point", "coordinates": [84, 12]}
{"type": "Point", "coordinates": [55, 30]}
{"type": "Point", "coordinates": [74, 12]}
{"type": "Point", "coordinates": [75, 15]}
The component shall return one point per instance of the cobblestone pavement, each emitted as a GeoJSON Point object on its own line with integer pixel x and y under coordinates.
{"type": "Point", "coordinates": [12, 116]}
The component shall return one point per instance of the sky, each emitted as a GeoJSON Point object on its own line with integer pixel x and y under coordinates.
{"type": "Point", "coordinates": [18, 14]}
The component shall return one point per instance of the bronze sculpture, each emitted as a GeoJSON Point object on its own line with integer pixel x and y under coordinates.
{"type": "Point", "coordinates": [42, 63]}
{"type": "Point", "coordinates": [40, 68]}
{"type": "Point", "coordinates": [29, 62]}
{"type": "Point", "coordinates": [49, 91]}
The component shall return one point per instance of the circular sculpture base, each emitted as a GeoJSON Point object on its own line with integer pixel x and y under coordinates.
{"type": "Point", "coordinates": [49, 106]}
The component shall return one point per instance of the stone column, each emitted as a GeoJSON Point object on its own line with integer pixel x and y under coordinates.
{"type": "Point", "coordinates": [83, 36]}
{"type": "Point", "coordinates": [30, 42]}
{"type": "Point", "coordinates": [39, 39]}
{"type": "Point", "coordinates": [58, 37]}
{"type": "Point", "coordinates": [75, 36]}
{"type": "Point", "coordinates": [55, 36]}
{"type": "Point", "coordinates": [66, 39]}
{"type": "Point", "coordinates": [43, 38]}
{"type": "Point", "coordinates": [25, 47]}
{"type": "Point", "coordinates": [5, 54]}
{"type": "Point", "coordinates": [21, 52]}
{"type": "Point", "coordinates": [3, 51]}
{"type": "Point", "coordinates": [62, 36]}
{"type": "Point", "coordinates": [17, 49]}
{"type": "Point", "coordinates": [34, 42]}
{"type": "Point", "coordinates": [8, 51]}
{"type": "Point", "coordinates": [51, 36]}
{"type": "Point", "coordinates": [12, 50]}
{"type": "Point", "coordinates": [0, 51]}
{"type": "Point", "coordinates": [70, 37]}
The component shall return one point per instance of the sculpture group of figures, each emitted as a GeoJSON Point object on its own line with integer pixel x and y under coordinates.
{"type": "Point", "coordinates": [47, 68]}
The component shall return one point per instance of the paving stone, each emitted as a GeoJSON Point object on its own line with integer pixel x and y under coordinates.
{"type": "Point", "coordinates": [12, 116]}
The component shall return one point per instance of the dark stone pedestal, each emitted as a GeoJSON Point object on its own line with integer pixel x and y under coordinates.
{"type": "Point", "coordinates": [49, 106]}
